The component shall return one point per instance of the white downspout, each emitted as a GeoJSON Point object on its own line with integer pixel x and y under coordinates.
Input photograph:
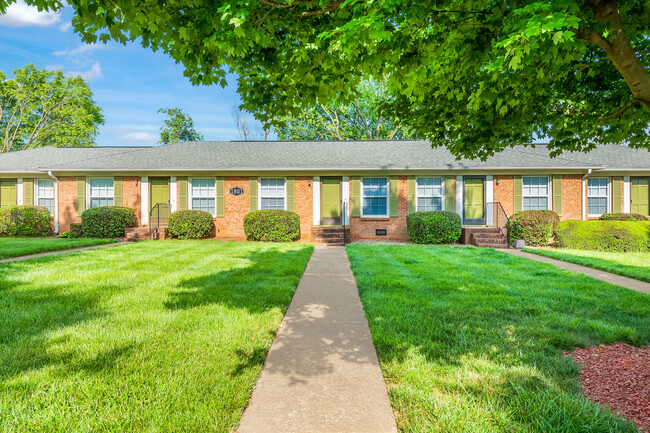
{"type": "Point", "coordinates": [56, 201]}
{"type": "Point", "coordinates": [584, 194]}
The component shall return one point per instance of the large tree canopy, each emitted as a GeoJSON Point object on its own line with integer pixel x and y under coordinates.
{"type": "Point", "coordinates": [45, 108]}
{"type": "Point", "coordinates": [178, 127]}
{"type": "Point", "coordinates": [474, 75]}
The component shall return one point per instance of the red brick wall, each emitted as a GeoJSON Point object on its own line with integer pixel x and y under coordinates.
{"type": "Point", "coordinates": [67, 203]}
{"type": "Point", "coordinates": [364, 228]}
{"type": "Point", "coordinates": [571, 197]}
{"type": "Point", "coordinates": [131, 195]}
{"type": "Point", "coordinates": [503, 193]}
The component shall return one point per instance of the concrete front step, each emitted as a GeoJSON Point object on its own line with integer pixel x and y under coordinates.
{"type": "Point", "coordinates": [501, 245]}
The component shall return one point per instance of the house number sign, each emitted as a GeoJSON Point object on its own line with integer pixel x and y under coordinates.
{"type": "Point", "coordinates": [236, 191]}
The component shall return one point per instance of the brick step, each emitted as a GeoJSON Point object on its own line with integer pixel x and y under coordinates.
{"type": "Point", "coordinates": [328, 235]}
{"type": "Point", "coordinates": [486, 235]}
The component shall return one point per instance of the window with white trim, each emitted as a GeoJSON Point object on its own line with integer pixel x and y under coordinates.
{"type": "Point", "coordinates": [272, 193]}
{"type": "Point", "coordinates": [203, 195]}
{"type": "Point", "coordinates": [100, 192]}
{"type": "Point", "coordinates": [45, 194]}
{"type": "Point", "coordinates": [535, 192]}
{"type": "Point", "coordinates": [374, 192]}
{"type": "Point", "coordinates": [597, 195]}
{"type": "Point", "coordinates": [429, 193]}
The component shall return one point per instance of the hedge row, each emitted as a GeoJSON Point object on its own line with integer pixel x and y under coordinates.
{"type": "Point", "coordinates": [535, 227]}
{"type": "Point", "coordinates": [107, 221]}
{"type": "Point", "coordinates": [272, 225]}
{"type": "Point", "coordinates": [190, 224]}
{"type": "Point", "coordinates": [434, 227]}
{"type": "Point", "coordinates": [25, 221]}
{"type": "Point", "coordinates": [613, 236]}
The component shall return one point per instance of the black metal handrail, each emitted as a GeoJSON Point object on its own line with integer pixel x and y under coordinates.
{"type": "Point", "coordinates": [343, 219]}
{"type": "Point", "coordinates": [499, 219]}
{"type": "Point", "coordinates": [158, 217]}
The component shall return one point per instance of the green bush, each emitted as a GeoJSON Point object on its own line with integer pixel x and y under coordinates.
{"type": "Point", "coordinates": [190, 224]}
{"type": "Point", "coordinates": [272, 225]}
{"type": "Point", "coordinates": [623, 217]}
{"type": "Point", "coordinates": [613, 236]}
{"type": "Point", "coordinates": [436, 227]}
{"type": "Point", "coordinates": [65, 235]}
{"type": "Point", "coordinates": [76, 230]}
{"type": "Point", "coordinates": [535, 227]}
{"type": "Point", "coordinates": [107, 221]}
{"type": "Point", "coordinates": [25, 221]}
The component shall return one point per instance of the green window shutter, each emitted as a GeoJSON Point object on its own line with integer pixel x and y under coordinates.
{"type": "Point", "coordinates": [7, 193]}
{"type": "Point", "coordinates": [252, 194]}
{"type": "Point", "coordinates": [616, 194]}
{"type": "Point", "coordinates": [182, 193]}
{"type": "Point", "coordinates": [117, 191]}
{"type": "Point", "coordinates": [450, 194]}
{"type": "Point", "coordinates": [29, 191]}
{"type": "Point", "coordinates": [221, 198]}
{"type": "Point", "coordinates": [81, 195]}
{"type": "Point", "coordinates": [291, 194]}
{"type": "Point", "coordinates": [557, 194]}
{"type": "Point", "coordinates": [394, 196]}
{"type": "Point", "coordinates": [410, 195]}
{"type": "Point", "coordinates": [517, 195]}
{"type": "Point", "coordinates": [355, 196]}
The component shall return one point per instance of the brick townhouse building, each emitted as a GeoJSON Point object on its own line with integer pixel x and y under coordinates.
{"type": "Point", "coordinates": [368, 187]}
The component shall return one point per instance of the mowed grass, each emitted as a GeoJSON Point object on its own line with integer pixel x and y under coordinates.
{"type": "Point", "coordinates": [153, 336]}
{"type": "Point", "coordinates": [16, 247]}
{"type": "Point", "coordinates": [633, 265]}
{"type": "Point", "coordinates": [471, 340]}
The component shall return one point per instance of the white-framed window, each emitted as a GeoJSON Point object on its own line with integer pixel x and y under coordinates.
{"type": "Point", "coordinates": [203, 195]}
{"type": "Point", "coordinates": [273, 193]}
{"type": "Point", "coordinates": [429, 194]}
{"type": "Point", "coordinates": [100, 192]}
{"type": "Point", "coordinates": [597, 195]}
{"type": "Point", "coordinates": [44, 191]}
{"type": "Point", "coordinates": [374, 197]}
{"type": "Point", "coordinates": [535, 193]}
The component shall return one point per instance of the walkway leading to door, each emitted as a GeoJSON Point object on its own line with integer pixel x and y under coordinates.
{"type": "Point", "coordinates": [630, 283]}
{"type": "Point", "coordinates": [322, 372]}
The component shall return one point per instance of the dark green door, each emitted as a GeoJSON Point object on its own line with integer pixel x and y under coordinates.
{"type": "Point", "coordinates": [159, 194]}
{"type": "Point", "coordinates": [331, 201]}
{"type": "Point", "coordinates": [7, 193]}
{"type": "Point", "coordinates": [640, 196]}
{"type": "Point", "coordinates": [473, 206]}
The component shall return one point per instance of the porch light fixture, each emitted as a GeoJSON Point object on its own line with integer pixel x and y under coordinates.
{"type": "Point", "coordinates": [497, 179]}
{"type": "Point", "coordinates": [136, 181]}
{"type": "Point", "coordinates": [308, 182]}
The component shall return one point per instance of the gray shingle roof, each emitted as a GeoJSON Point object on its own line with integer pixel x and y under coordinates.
{"type": "Point", "coordinates": [308, 155]}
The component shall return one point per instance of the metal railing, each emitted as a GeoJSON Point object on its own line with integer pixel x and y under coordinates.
{"type": "Point", "coordinates": [496, 216]}
{"type": "Point", "coordinates": [343, 219]}
{"type": "Point", "coordinates": [158, 217]}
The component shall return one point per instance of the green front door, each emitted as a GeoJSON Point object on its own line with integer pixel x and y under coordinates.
{"type": "Point", "coordinates": [159, 191]}
{"type": "Point", "coordinates": [331, 201]}
{"type": "Point", "coordinates": [640, 196]}
{"type": "Point", "coordinates": [7, 193]}
{"type": "Point", "coordinates": [473, 201]}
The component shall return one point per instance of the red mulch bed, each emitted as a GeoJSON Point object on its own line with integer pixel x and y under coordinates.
{"type": "Point", "coordinates": [617, 376]}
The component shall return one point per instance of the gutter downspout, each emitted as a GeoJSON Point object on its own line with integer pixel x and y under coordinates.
{"type": "Point", "coordinates": [584, 194]}
{"type": "Point", "coordinates": [56, 201]}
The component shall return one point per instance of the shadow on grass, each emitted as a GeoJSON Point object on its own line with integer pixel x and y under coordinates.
{"type": "Point", "coordinates": [464, 310]}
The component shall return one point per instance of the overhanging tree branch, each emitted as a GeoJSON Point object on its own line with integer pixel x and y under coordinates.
{"type": "Point", "coordinates": [620, 111]}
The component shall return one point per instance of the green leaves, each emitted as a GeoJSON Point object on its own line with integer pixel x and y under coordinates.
{"type": "Point", "coordinates": [45, 108]}
{"type": "Point", "coordinates": [179, 127]}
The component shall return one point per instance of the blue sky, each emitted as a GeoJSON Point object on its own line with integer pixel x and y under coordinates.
{"type": "Point", "coordinates": [130, 83]}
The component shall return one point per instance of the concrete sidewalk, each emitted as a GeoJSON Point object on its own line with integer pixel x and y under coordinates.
{"type": "Point", "coordinates": [52, 253]}
{"type": "Point", "coordinates": [629, 283]}
{"type": "Point", "coordinates": [322, 373]}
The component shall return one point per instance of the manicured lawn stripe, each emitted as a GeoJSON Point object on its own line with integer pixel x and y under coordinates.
{"type": "Point", "coordinates": [633, 265]}
{"type": "Point", "coordinates": [153, 336]}
{"type": "Point", "coordinates": [16, 247]}
{"type": "Point", "coordinates": [471, 340]}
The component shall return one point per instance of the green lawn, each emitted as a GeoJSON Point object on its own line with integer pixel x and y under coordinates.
{"type": "Point", "coordinates": [471, 340]}
{"type": "Point", "coordinates": [633, 265]}
{"type": "Point", "coordinates": [153, 336]}
{"type": "Point", "coordinates": [15, 247]}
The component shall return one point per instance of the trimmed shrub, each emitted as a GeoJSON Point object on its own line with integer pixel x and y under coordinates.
{"type": "Point", "coordinates": [272, 225]}
{"type": "Point", "coordinates": [614, 236]}
{"type": "Point", "coordinates": [107, 221]}
{"type": "Point", "coordinates": [535, 227]}
{"type": "Point", "coordinates": [190, 224]}
{"type": "Point", "coordinates": [435, 227]}
{"type": "Point", "coordinates": [623, 217]}
{"type": "Point", "coordinates": [27, 221]}
{"type": "Point", "coordinates": [76, 230]}
{"type": "Point", "coordinates": [64, 235]}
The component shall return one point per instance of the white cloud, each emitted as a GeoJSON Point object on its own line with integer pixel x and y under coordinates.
{"type": "Point", "coordinates": [140, 137]}
{"type": "Point", "coordinates": [83, 48]}
{"type": "Point", "coordinates": [93, 73]}
{"type": "Point", "coordinates": [53, 67]}
{"type": "Point", "coordinates": [65, 27]}
{"type": "Point", "coordinates": [19, 14]}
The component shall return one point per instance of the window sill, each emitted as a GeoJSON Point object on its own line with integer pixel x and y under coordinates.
{"type": "Point", "coordinates": [378, 218]}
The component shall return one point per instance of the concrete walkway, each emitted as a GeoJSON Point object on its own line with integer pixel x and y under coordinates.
{"type": "Point", "coordinates": [630, 283]}
{"type": "Point", "coordinates": [322, 373]}
{"type": "Point", "coordinates": [51, 253]}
